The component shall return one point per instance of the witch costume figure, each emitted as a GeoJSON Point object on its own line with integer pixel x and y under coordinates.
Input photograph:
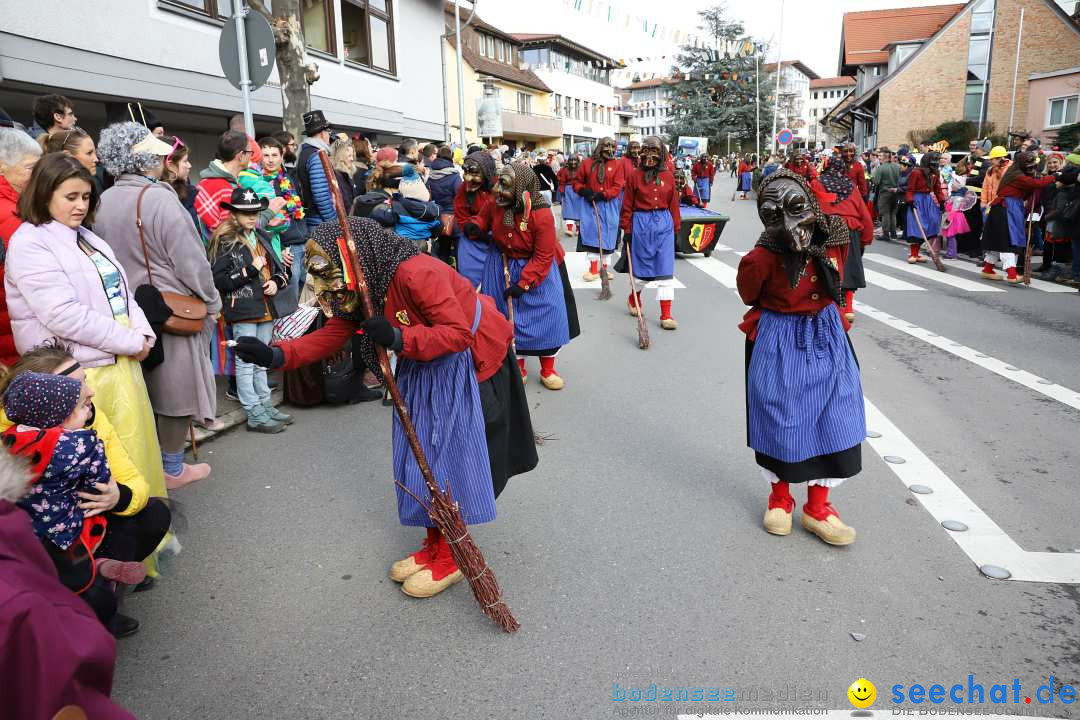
{"type": "Point", "coordinates": [836, 193]}
{"type": "Point", "coordinates": [649, 220]}
{"type": "Point", "coordinates": [572, 204]}
{"type": "Point", "coordinates": [804, 404]}
{"type": "Point", "coordinates": [456, 372]}
{"type": "Point", "coordinates": [1004, 235]}
{"type": "Point", "coordinates": [472, 198]}
{"type": "Point", "coordinates": [925, 198]}
{"type": "Point", "coordinates": [702, 173]}
{"type": "Point", "coordinates": [599, 182]}
{"type": "Point", "coordinates": [523, 231]}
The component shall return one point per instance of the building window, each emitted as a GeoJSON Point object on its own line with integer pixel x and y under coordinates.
{"type": "Point", "coordinates": [978, 69]}
{"type": "Point", "coordinates": [978, 58]}
{"type": "Point", "coordinates": [500, 50]}
{"type": "Point", "coordinates": [368, 33]}
{"type": "Point", "coordinates": [524, 103]}
{"type": "Point", "coordinates": [558, 104]}
{"type": "Point", "coordinates": [221, 9]}
{"type": "Point", "coordinates": [490, 46]}
{"type": "Point", "coordinates": [577, 109]}
{"type": "Point", "coordinates": [1062, 111]}
{"type": "Point", "coordinates": [973, 102]}
{"type": "Point", "coordinates": [566, 107]}
{"type": "Point", "coordinates": [317, 22]}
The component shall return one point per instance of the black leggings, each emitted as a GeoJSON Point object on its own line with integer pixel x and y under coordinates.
{"type": "Point", "coordinates": [134, 537]}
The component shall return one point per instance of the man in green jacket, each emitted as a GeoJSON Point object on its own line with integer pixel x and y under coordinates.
{"type": "Point", "coordinates": [886, 178]}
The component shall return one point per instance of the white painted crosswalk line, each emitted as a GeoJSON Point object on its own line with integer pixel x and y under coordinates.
{"type": "Point", "coordinates": [1062, 394]}
{"type": "Point", "coordinates": [1035, 283]}
{"type": "Point", "coordinates": [716, 269]}
{"type": "Point", "coordinates": [578, 262]}
{"type": "Point", "coordinates": [984, 541]}
{"type": "Point", "coordinates": [888, 282]}
{"type": "Point", "coordinates": [933, 275]}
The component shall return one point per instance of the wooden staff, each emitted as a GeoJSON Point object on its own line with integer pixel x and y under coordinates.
{"type": "Point", "coordinates": [933, 252]}
{"type": "Point", "coordinates": [444, 512]}
{"type": "Point", "coordinates": [509, 302]}
{"type": "Point", "coordinates": [642, 330]}
{"type": "Point", "coordinates": [1027, 252]}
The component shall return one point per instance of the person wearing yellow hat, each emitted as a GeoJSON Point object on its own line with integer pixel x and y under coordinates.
{"type": "Point", "coordinates": [1004, 236]}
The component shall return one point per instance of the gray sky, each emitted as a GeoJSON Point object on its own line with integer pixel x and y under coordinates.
{"type": "Point", "coordinates": [811, 31]}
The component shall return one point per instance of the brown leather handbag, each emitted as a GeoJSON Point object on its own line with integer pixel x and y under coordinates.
{"type": "Point", "coordinates": [188, 312]}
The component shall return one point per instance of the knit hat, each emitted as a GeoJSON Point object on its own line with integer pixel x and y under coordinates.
{"type": "Point", "coordinates": [411, 186]}
{"type": "Point", "coordinates": [386, 154]}
{"type": "Point", "coordinates": [41, 400]}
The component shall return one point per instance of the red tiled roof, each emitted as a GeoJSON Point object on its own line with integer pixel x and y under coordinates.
{"type": "Point", "coordinates": [842, 81]}
{"type": "Point", "coordinates": [771, 67]}
{"type": "Point", "coordinates": [865, 33]}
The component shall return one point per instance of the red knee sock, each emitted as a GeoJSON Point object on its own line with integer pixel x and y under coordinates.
{"type": "Point", "coordinates": [817, 502]}
{"type": "Point", "coordinates": [1011, 272]}
{"type": "Point", "coordinates": [849, 300]}
{"type": "Point", "coordinates": [592, 266]}
{"type": "Point", "coordinates": [665, 310]}
{"type": "Point", "coordinates": [547, 365]}
{"type": "Point", "coordinates": [780, 497]}
{"type": "Point", "coordinates": [914, 249]}
{"type": "Point", "coordinates": [634, 300]}
{"type": "Point", "coordinates": [988, 267]}
{"type": "Point", "coordinates": [521, 366]}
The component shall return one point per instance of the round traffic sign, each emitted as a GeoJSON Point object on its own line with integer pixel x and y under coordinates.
{"type": "Point", "coordinates": [260, 50]}
{"type": "Point", "coordinates": [784, 137]}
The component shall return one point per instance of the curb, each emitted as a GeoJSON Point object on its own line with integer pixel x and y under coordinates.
{"type": "Point", "coordinates": [232, 419]}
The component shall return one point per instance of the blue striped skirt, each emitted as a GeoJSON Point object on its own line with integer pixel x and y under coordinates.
{"type": "Point", "coordinates": [653, 245]}
{"type": "Point", "coordinates": [609, 224]}
{"type": "Point", "coordinates": [572, 204]}
{"type": "Point", "coordinates": [472, 257]}
{"type": "Point", "coordinates": [804, 396]}
{"type": "Point", "coordinates": [746, 182]}
{"type": "Point", "coordinates": [444, 403]}
{"type": "Point", "coordinates": [704, 189]}
{"type": "Point", "coordinates": [540, 318]}
{"type": "Point", "coordinates": [929, 215]}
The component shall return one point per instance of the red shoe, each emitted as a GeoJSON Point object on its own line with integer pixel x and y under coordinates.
{"type": "Point", "coordinates": [1012, 278]}
{"type": "Point", "coordinates": [988, 272]}
{"type": "Point", "coordinates": [777, 520]}
{"type": "Point", "coordinates": [402, 569]}
{"type": "Point", "coordinates": [434, 577]}
{"type": "Point", "coordinates": [821, 518]}
{"type": "Point", "coordinates": [125, 573]}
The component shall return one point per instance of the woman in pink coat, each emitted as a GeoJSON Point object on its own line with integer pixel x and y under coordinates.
{"type": "Point", "coordinates": [64, 281]}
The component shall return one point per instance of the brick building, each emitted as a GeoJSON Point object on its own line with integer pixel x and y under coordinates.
{"type": "Point", "coordinates": [963, 70]}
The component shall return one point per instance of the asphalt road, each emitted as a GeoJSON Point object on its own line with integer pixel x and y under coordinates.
{"type": "Point", "coordinates": [634, 554]}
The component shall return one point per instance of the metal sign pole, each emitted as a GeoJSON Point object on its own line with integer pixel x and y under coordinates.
{"type": "Point", "coordinates": [779, 72]}
{"type": "Point", "coordinates": [240, 11]}
{"type": "Point", "coordinates": [1016, 69]}
{"type": "Point", "coordinates": [460, 77]}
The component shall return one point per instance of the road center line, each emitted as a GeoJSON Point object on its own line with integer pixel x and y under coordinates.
{"type": "Point", "coordinates": [1062, 394]}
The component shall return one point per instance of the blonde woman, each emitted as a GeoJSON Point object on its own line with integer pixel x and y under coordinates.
{"type": "Point", "coordinates": [343, 158]}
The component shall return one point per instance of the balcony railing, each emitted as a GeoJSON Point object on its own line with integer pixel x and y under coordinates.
{"type": "Point", "coordinates": [517, 123]}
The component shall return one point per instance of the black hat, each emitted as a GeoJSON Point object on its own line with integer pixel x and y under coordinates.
{"type": "Point", "coordinates": [315, 122]}
{"type": "Point", "coordinates": [244, 200]}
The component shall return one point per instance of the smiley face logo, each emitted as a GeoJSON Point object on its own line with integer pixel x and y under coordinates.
{"type": "Point", "coordinates": [862, 693]}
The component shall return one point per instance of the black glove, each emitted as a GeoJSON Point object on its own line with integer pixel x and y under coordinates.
{"type": "Point", "coordinates": [472, 231]}
{"type": "Point", "coordinates": [382, 332]}
{"type": "Point", "coordinates": [587, 194]}
{"type": "Point", "coordinates": [514, 291]}
{"type": "Point", "coordinates": [253, 350]}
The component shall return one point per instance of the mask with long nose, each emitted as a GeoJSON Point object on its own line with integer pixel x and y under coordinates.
{"type": "Point", "coordinates": [788, 215]}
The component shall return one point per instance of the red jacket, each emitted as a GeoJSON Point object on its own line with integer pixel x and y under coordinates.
{"type": "Point", "coordinates": [916, 183]}
{"type": "Point", "coordinates": [564, 177]}
{"type": "Point", "coordinates": [614, 178]}
{"type": "Point", "coordinates": [689, 197]}
{"type": "Point", "coordinates": [1022, 186]}
{"type": "Point", "coordinates": [763, 283]}
{"type": "Point", "coordinates": [805, 169]}
{"type": "Point", "coordinates": [703, 170]}
{"type": "Point", "coordinates": [464, 211]}
{"type": "Point", "coordinates": [9, 223]}
{"type": "Point", "coordinates": [434, 307]}
{"type": "Point", "coordinates": [857, 173]}
{"type": "Point", "coordinates": [852, 209]}
{"type": "Point", "coordinates": [536, 242]}
{"type": "Point", "coordinates": [628, 166]}
{"type": "Point", "coordinates": [642, 195]}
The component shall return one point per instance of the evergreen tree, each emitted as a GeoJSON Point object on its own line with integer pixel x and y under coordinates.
{"type": "Point", "coordinates": [716, 85]}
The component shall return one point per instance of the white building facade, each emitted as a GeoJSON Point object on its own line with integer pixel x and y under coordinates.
{"type": "Point", "coordinates": [825, 93]}
{"type": "Point", "coordinates": [650, 101]}
{"type": "Point", "coordinates": [794, 99]}
{"type": "Point", "coordinates": [580, 82]}
{"type": "Point", "coordinates": [375, 60]}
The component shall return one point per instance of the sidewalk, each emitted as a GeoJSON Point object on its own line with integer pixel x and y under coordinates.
{"type": "Point", "coordinates": [230, 412]}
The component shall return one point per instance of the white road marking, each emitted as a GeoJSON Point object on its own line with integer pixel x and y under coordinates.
{"type": "Point", "coordinates": [934, 275]}
{"type": "Point", "coordinates": [1062, 394]}
{"type": "Point", "coordinates": [984, 541]}
{"type": "Point", "coordinates": [1035, 283]}
{"type": "Point", "coordinates": [716, 269]}
{"type": "Point", "coordinates": [888, 281]}
{"type": "Point", "coordinates": [578, 262]}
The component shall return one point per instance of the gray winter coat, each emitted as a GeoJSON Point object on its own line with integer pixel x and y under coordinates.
{"type": "Point", "coordinates": [183, 385]}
